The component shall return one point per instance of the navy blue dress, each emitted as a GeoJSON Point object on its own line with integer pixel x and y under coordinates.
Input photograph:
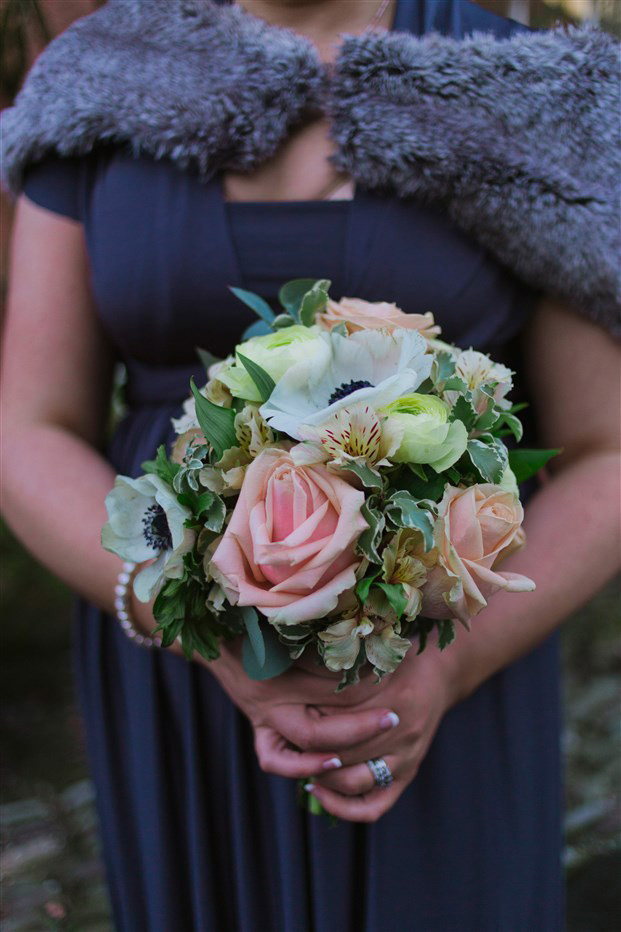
{"type": "Point", "coordinates": [195, 835]}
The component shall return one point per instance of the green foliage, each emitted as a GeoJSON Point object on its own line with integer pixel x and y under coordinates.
{"type": "Point", "coordinates": [161, 466]}
{"type": "Point", "coordinates": [404, 511]}
{"type": "Point", "coordinates": [276, 658]}
{"type": "Point", "coordinates": [443, 367]}
{"type": "Point", "coordinates": [264, 382]}
{"type": "Point", "coordinates": [363, 586]}
{"type": "Point", "coordinates": [314, 301]}
{"type": "Point", "coordinates": [463, 410]}
{"type": "Point", "coordinates": [489, 457]}
{"type": "Point", "coordinates": [217, 424]}
{"type": "Point", "coordinates": [255, 638]}
{"type": "Point", "coordinates": [292, 294]}
{"type": "Point", "coordinates": [446, 632]}
{"type": "Point", "coordinates": [396, 596]}
{"type": "Point", "coordinates": [256, 303]}
{"type": "Point", "coordinates": [526, 463]}
{"type": "Point", "coordinates": [369, 540]}
{"type": "Point", "coordinates": [369, 477]}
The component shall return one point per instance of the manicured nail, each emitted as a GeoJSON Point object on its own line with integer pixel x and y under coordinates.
{"type": "Point", "coordinates": [390, 720]}
{"type": "Point", "coordinates": [309, 787]}
{"type": "Point", "coordinates": [333, 764]}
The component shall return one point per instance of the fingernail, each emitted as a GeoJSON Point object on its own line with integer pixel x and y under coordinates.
{"type": "Point", "coordinates": [333, 764]}
{"type": "Point", "coordinates": [309, 787]}
{"type": "Point", "coordinates": [390, 720]}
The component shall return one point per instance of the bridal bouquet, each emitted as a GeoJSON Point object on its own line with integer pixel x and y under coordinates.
{"type": "Point", "coordinates": [341, 483]}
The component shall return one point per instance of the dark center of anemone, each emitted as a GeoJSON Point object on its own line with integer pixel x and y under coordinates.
{"type": "Point", "coordinates": [346, 389]}
{"type": "Point", "coordinates": [155, 528]}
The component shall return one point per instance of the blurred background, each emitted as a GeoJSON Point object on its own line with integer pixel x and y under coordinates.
{"type": "Point", "coordinates": [51, 872]}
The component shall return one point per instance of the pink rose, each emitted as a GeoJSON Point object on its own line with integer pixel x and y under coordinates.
{"type": "Point", "coordinates": [476, 529]}
{"type": "Point", "coordinates": [289, 548]}
{"type": "Point", "coordinates": [357, 314]}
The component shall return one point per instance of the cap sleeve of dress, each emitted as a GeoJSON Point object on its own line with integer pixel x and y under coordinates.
{"type": "Point", "coordinates": [56, 183]}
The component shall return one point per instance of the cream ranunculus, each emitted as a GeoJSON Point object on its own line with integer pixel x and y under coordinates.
{"type": "Point", "coordinates": [276, 353]}
{"type": "Point", "coordinates": [428, 436]}
{"type": "Point", "coordinates": [476, 529]}
{"type": "Point", "coordinates": [357, 314]}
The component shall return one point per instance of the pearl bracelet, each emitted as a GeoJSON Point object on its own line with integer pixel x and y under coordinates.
{"type": "Point", "coordinates": [123, 611]}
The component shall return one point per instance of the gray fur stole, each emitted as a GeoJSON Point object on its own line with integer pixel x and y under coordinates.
{"type": "Point", "coordinates": [517, 139]}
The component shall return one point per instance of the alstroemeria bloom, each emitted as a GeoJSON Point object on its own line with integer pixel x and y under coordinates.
{"type": "Point", "coordinates": [427, 435]}
{"type": "Point", "coordinates": [145, 520]}
{"type": "Point", "coordinates": [370, 367]}
{"type": "Point", "coordinates": [476, 529]}
{"type": "Point", "coordinates": [289, 548]}
{"type": "Point", "coordinates": [275, 353]}
{"type": "Point", "coordinates": [357, 314]}
{"type": "Point", "coordinates": [477, 369]}
{"type": "Point", "coordinates": [375, 629]}
{"type": "Point", "coordinates": [354, 434]}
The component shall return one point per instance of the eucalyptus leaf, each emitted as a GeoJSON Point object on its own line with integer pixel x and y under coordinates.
{"type": "Point", "coordinates": [292, 294]}
{"type": "Point", "coordinates": [264, 382]}
{"type": "Point", "coordinates": [217, 424]}
{"type": "Point", "coordinates": [253, 629]}
{"type": "Point", "coordinates": [276, 659]}
{"type": "Point", "coordinates": [256, 302]}
{"type": "Point", "coordinates": [258, 329]}
{"type": "Point", "coordinates": [281, 321]}
{"type": "Point", "coordinates": [314, 301]}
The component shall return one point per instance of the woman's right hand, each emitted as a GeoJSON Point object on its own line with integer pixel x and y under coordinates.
{"type": "Point", "coordinates": [292, 737]}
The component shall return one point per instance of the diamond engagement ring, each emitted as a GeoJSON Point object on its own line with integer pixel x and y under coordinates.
{"type": "Point", "coordinates": [381, 772]}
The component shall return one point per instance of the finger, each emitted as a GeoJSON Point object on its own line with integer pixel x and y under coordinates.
{"type": "Point", "coordinates": [275, 755]}
{"type": "Point", "coordinates": [304, 727]}
{"type": "Point", "coordinates": [367, 808]}
{"type": "Point", "coordinates": [356, 780]}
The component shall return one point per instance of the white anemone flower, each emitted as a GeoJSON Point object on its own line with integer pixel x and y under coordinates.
{"type": "Point", "coordinates": [371, 367]}
{"type": "Point", "coordinates": [145, 521]}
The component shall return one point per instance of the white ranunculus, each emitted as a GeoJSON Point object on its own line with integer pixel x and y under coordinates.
{"type": "Point", "coordinates": [145, 521]}
{"type": "Point", "coordinates": [371, 367]}
{"type": "Point", "coordinates": [275, 353]}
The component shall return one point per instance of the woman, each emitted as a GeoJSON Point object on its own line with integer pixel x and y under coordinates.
{"type": "Point", "coordinates": [116, 256]}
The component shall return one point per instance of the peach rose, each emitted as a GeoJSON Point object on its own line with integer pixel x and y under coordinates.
{"type": "Point", "coordinates": [475, 530]}
{"type": "Point", "coordinates": [289, 548]}
{"type": "Point", "coordinates": [357, 314]}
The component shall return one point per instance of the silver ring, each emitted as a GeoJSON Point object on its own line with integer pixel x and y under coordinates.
{"type": "Point", "coordinates": [381, 772]}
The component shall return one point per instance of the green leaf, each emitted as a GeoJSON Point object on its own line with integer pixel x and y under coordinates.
{"type": "Point", "coordinates": [419, 470]}
{"type": "Point", "coordinates": [207, 359]}
{"type": "Point", "coordinates": [256, 302]}
{"type": "Point", "coordinates": [369, 477]}
{"type": "Point", "coordinates": [363, 586]}
{"type": "Point", "coordinates": [276, 658]}
{"type": "Point", "coordinates": [433, 488]}
{"type": "Point", "coordinates": [161, 466]}
{"type": "Point", "coordinates": [454, 475]}
{"type": "Point", "coordinates": [214, 514]}
{"type": "Point", "coordinates": [513, 423]}
{"type": "Point", "coordinates": [258, 329]}
{"type": "Point", "coordinates": [404, 511]}
{"type": "Point", "coordinates": [487, 459]}
{"type": "Point", "coordinates": [455, 384]}
{"type": "Point", "coordinates": [463, 410]}
{"type": "Point", "coordinates": [264, 382]}
{"type": "Point", "coordinates": [281, 321]}
{"type": "Point", "coordinates": [218, 424]}
{"type": "Point", "coordinates": [292, 293]}
{"type": "Point", "coordinates": [518, 407]}
{"type": "Point", "coordinates": [444, 365]}
{"type": "Point", "coordinates": [255, 637]}
{"type": "Point", "coordinates": [423, 628]}
{"type": "Point", "coordinates": [369, 540]}
{"type": "Point", "coordinates": [446, 632]}
{"type": "Point", "coordinates": [314, 301]}
{"type": "Point", "coordinates": [395, 595]}
{"type": "Point", "coordinates": [526, 463]}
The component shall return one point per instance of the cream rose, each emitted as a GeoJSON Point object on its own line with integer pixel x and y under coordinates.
{"type": "Point", "coordinates": [289, 548]}
{"type": "Point", "coordinates": [475, 530]}
{"type": "Point", "coordinates": [357, 314]}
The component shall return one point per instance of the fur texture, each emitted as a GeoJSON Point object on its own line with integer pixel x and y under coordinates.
{"type": "Point", "coordinates": [518, 139]}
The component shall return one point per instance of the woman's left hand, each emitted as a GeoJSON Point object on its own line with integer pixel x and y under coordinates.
{"type": "Point", "coordinates": [420, 691]}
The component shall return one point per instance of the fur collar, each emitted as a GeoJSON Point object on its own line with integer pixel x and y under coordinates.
{"type": "Point", "coordinates": [518, 139]}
